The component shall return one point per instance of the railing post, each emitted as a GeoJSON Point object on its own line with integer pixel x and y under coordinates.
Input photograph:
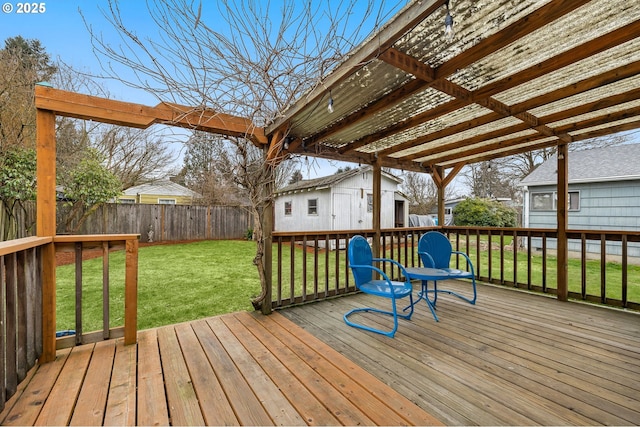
{"type": "Point", "coordinates": [131, 292]}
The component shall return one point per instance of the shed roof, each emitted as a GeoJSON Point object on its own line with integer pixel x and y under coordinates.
{"type": "Point", "coordinates": [161, 188]}
{"type": "Point", "coordinates": [518, 76]}
{"type": "Point", "coordinates": [328, 181]}
{"type": "Point", "coordinates": [617, 163]}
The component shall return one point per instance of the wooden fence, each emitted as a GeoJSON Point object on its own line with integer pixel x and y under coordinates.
{"type": "Point", "coordinates": [151, 222]}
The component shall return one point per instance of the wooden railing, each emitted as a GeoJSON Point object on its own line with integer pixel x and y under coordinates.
{"type": "Point", "coordinates": [20, 310]}
{"type": "Point", "coordinates": [604, 267]}
{"type": "Point", "coordinates": [105, 243]}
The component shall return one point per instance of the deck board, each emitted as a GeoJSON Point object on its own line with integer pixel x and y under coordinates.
{"type": "Point", "coordinates": [92, 400]}
{"type": "Point", "coordinates": [58, 408]}
{"type": "Point", "coordinates": [121, 402]}
{"type": "Point", "coordinates": [236, 369]}
{"type": "Point", "coordinates": [513, 358]}
{"type": "Point", "coordinates": [151, 400]}
{"type": "Point", "coordinates": [181, 395]}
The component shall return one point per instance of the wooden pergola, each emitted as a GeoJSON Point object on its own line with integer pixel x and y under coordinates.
{"type": "Point", "coordinates": [516, 77]}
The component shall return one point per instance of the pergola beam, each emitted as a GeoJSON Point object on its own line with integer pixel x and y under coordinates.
{"type": "Point", "coordinates": [86, 107]}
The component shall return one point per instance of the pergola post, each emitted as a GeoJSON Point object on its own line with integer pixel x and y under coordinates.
{"type": "Point", "coordinates": [563, 223]}
{"type": "Point", "coordinates": [377, 206]}
{"type": "Point", "coordinates": [439, 173]}
{"type": "Point", "coordinates": [46, 225]}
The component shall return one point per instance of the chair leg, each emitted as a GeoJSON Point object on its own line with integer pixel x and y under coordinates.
{"type": "Point", "coordinates": [393, 313]}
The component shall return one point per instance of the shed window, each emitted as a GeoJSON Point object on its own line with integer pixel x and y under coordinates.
{"type": "Point", "coordinates": [369, 202]}
{"type": "Point", "coordinates": [127, 201]}
{"type": "Point", "coordinates": [287, 208]}
{"type": "Point", "coordinates": [166, 201]}
{"type": "Point", "coordinates": [312, 206]}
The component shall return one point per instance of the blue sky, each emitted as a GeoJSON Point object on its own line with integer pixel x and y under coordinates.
{"type": "Point", "coordinates": [63, 33]}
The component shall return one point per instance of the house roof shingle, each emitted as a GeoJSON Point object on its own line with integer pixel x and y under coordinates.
{"type": "Point", "coordinates": [327, 181]}
{"type": "Point", "coordinates": [160, 188]}
{"type": "Point", "coordinates": [616, 163]}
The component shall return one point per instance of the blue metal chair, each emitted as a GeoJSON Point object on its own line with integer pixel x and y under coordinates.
{"type": "Point", "coordinates": [435, 251]}
{"type": "Point", "coordinates": [361, 263]}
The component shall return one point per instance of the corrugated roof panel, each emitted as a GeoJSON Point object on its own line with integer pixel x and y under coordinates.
{"type": "Point", "coordinates": [489, 127]}
{"type": "Point", "coordinates": [436, 144]}
{"type": "Point", "coordinates": [473, 21]}
{"type": "Point", "coordinates": [417, 104]}
{"type": "Point", "coordinates": [599, 93]}
{"type": "Point", "coordinates": [372, 82]}
{"type": "Point", "coordinates": [593, 66]}
{"type": "Point", "coordinates": [553, 39]}
{"type": "Point", "coordinates": [495, 153]}
{"type": "Point", "coordinates": [597, 113]}
{"type": "Point", "coordinates": [604, 126]}
{"type": "Point", "coordinates": [591, 20]}
{"type": "Point", "coordinates": [438, 124]}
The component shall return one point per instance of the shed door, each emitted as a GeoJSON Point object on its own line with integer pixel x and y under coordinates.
{"type": "Point", "coordinates": [399, 213]}
{"type": "Point", "coordinates": [341, 211]}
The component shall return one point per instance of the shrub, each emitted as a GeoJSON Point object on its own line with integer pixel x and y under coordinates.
{"type": "Point", "coordinates": [484, 212]}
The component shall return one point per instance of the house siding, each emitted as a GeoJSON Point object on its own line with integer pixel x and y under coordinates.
{"type": "Point", "coordinates": [603, 206]}
{"type": "Point", "coordinates": [342, 206]}
{"type": "Point", "coordinates": [152, 199]}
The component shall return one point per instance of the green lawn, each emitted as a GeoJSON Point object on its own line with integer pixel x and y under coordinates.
{"type": "Point", "coordinates": [176, 283]}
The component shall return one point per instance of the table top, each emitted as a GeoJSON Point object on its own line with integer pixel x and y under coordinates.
{"type": "Point", "coordinates": [426, 273]}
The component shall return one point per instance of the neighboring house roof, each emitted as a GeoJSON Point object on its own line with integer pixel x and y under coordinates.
{"type": "Point", "coordinates": [161, 188]}
{"type": "Point", "coordinates": [328, 181]}
{"type": "Point", "coordinates": [615, 163]}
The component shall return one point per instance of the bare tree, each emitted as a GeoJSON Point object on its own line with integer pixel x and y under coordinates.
{"type": "Point", "coordinates": [245, 58]}
{"type": "Point", "coordinates": [422, 193]}
{"type": "Point", "coordinates": [134, 156]}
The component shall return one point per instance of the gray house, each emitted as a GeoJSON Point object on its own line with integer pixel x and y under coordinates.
{"type": "Point", "coordinates": [604, 194]}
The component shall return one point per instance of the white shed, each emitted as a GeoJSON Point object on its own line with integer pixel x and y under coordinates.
{"type": "Point", "coordinates": [343, 201]}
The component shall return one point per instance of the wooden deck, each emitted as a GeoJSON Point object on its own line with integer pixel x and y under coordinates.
{"type": "Point", "coordinates": [237, 369]}
{"type": "Point", "coordinates": [512, 359]}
